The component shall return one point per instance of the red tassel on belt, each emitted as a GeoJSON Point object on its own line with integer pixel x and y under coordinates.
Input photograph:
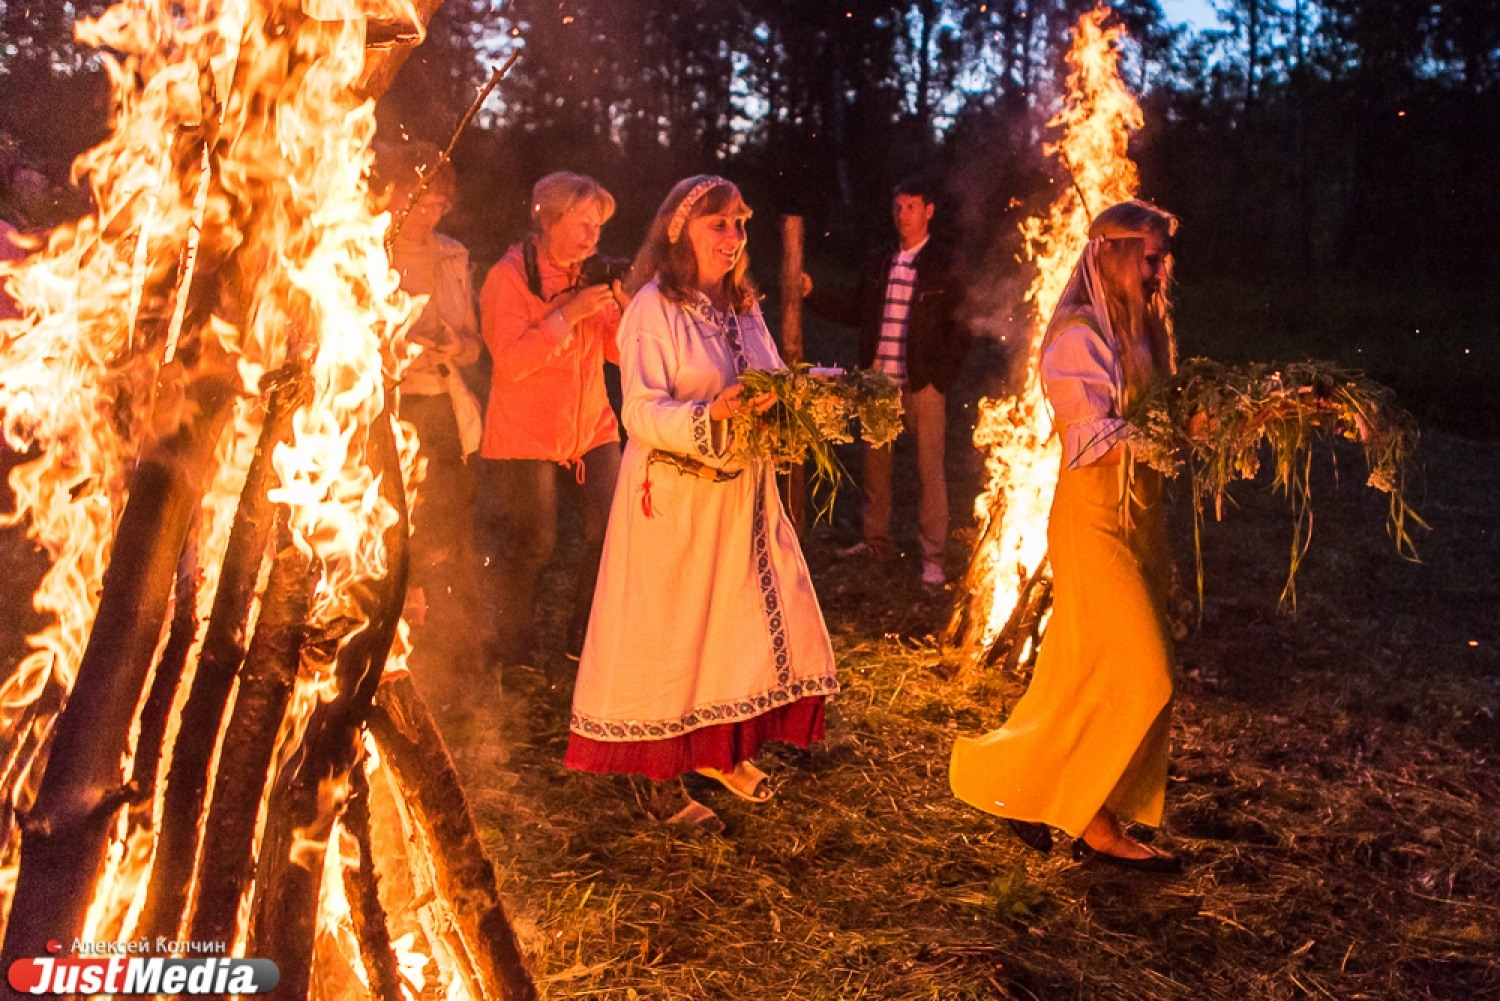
{"type": "Point", "coordinates": [646, 508]}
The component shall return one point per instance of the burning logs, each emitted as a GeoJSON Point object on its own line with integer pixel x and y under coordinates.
{"type": "Point", "coordinates": [1020, 640]}
{"type": "Point", "coordinates": [219, 661]}
{"type": "Point", "coordinates": [362, 886]}
{"type": "Point", "coordinates": [264, 165]}
{"type": "Point", "coordinates": [388, 43]}
{"type": "Point", "coordinates": [65, 834]}
{"type": "Point", "coordinates": [304, 811]}
{"type": "Point", "coordinates": [30, 735]}
{"type": "Point", "coordinates": [409, 738]}
{"type": "Point", "coordinates": [270, 671]}
{"type": "Point", "coordinates": [1092, 145]}
{"type": "Point", "coordinates": [167, 677]}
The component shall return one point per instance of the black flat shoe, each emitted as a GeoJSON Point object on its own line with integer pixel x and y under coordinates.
{"type": "Point", "coordinates": [1165, 865]}
{"type": "Point", "coordinates": [1037, 837]}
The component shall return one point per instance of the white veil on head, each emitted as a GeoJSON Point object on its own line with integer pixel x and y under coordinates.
{"type": "Point", "coordinates": [1084, 296]}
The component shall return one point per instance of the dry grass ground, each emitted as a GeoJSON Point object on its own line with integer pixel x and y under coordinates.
{"type": "Point", "coordinates": [1333, 790]}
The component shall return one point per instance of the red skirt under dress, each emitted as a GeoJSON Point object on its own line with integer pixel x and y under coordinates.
{"type": "Point", "coordinates": [722, 746]}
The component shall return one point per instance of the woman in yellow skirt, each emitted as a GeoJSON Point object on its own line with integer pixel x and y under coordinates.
{"type": "Point", "coordinates": [1086, 748]}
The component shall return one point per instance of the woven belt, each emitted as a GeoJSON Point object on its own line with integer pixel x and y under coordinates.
{"type": "Point", "coordinates": [691, 467]}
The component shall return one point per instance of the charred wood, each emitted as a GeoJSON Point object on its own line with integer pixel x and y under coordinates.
{"type": "Point", "coordinates": [388, 46]}
{"type": "Point", "coordinates": [1025, 640]}
{"type": "Point", "coordinates": [219, 660]}
{"type": "Point", "coordinates": [228, 857]}
{"type": "Point", "coordinates": [1010, 644]}
{"type": "Point", "coordinates": [306, 805]}
{"type": "Point", "coordinates": [415, 750]}
{"type": "Point", "coordinates": [362, 887]}
{"type": "Point", "coordinates": [158, 707]}
{"type": "Point", "coordinates": [66, 832]}
{"type": "Point", "coordinates": [20, 776]}
{"type": "Point", "coordinates": [966, 627]}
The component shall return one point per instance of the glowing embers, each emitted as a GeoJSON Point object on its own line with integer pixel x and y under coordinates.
{"type": "Point", "coordinates": [1022, 455]}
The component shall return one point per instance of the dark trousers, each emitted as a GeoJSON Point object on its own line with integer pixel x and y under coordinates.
{"type": "Point", "coordinates": [447, 649]}
{"type": "Point", "coordinates": [525, 494]}
{"type": "Point", "coordinates": [442, 548]}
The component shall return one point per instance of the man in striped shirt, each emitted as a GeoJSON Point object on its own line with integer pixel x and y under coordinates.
{"type": "Point", "coordinates": [905, 308]}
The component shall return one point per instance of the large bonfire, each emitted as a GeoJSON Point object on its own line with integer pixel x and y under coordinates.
{"type": "Point", "coordinates": [1006, 585]}
{"type": "Point", "coordinates": [201, 381]}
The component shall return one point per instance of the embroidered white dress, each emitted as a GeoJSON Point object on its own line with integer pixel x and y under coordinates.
{"type": "Point", "coordinates": [706, 638]}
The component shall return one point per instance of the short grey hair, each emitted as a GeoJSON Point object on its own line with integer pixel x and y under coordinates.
{"type": "Point", "coordinates": [557, 194]}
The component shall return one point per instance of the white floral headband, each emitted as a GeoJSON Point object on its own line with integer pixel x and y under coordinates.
{"type": "Point", "coordinates": [684, 207]}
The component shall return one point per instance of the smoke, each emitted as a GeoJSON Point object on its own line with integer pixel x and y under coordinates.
{"type": "Point", "coordinates": [998, 177]}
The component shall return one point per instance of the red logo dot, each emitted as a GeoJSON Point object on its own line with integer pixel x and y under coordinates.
{"type": "Point", "coordinates": [53, 945]}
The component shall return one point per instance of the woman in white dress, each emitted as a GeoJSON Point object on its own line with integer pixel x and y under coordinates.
{"type": "Point", "coordinates": [705, 639]}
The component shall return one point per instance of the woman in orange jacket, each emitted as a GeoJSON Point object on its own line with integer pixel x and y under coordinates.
{"type": "Point", "coordinates": [550, 327]}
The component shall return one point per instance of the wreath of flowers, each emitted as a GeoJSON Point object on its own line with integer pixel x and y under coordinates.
{"type": "Point", "coordinates": [815, 410]}
{"type": "Point", "coordinates": [1220, 421]}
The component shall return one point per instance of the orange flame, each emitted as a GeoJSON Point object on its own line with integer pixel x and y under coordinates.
{"type": "Point", "coordinates": [97, 364]}
{"type": "Point", "coordinates": [1096, 120]}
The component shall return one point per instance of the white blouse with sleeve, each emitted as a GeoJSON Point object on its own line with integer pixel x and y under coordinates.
{"type": "Point", "coordinates": [1082, 379]}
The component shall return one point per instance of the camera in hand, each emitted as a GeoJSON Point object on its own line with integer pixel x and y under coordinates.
{"type": "Point", "coordinates": [602, 270]}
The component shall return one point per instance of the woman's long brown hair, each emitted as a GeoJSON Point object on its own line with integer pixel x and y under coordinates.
{"type": "Point", "coordinates": [675, 264]}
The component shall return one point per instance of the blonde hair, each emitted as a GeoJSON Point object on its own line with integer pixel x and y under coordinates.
{"type": "Point", "coordinates": [560, 192]}
{"type": "Point", "coordinates": [1142, 327]}
{"type": "Point", "coordinates": [673, 262]}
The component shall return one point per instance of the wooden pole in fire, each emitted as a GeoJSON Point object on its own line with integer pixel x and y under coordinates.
{"type": "Point", "coordinates": [219, 660]}
{"type": "Point", "coordinates": [413, 747]}
{"type": "Point", "coordinates": [66, 832]}
{"type": "Point", "coordinates": [81, 791]}
{"type": "Point", "coordinates": [793, 485]}
{"type": "Point", "coordinates": [68, 827]}
{"type": "Point", "coordinates": [249, 745]}
{"type": "Point", "coordinates": [300, 820]}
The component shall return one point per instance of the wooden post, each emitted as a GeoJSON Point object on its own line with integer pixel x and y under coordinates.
{"type": "Point", "coordinates": [791, 288]}
{"type": "Point", "coordinates": [794, 484]}
{"type": "Point", "coordinates": [219, 660]}
{"type": "Point", "coordinates": [362, 887]}
{"type": "Point", "coordinates": [68, 828]}
{"type": "Point", "coordinates": [249, 744]}
{"type": "Point", "coordinates": [289, 874]}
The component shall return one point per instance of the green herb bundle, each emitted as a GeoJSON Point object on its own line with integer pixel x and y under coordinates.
{"type": "Point", "coordinates": [814, 412]}
{"type": "Point", "coordinates": [1215, 419]}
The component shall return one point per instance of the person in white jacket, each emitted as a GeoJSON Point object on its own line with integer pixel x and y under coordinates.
{"type": "Point", "coordinates": [432, 394]}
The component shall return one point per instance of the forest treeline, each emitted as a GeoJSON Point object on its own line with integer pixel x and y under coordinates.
{"type": "Point", "coordinates": [1334, 141]}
